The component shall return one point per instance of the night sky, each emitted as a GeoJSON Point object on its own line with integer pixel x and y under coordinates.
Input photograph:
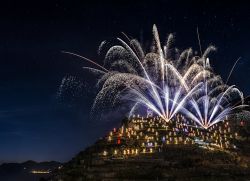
{"type": "Point", "coordinates": [34, 123]}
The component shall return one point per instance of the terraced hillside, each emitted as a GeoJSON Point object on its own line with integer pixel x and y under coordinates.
{"type": "Point", "coordinates": [176, 162]}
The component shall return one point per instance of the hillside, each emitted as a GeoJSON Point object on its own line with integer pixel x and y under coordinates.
{"type": "Point", "coordinates": [146, 149]}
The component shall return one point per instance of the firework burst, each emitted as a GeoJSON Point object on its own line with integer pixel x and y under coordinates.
{"type": "Point", "coordinates": [164, 80]}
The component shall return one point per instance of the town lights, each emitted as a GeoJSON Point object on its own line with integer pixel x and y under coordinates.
{"type": "Point", "coordinates": [132, 151]}
{"type": "Point", "coordinates": [105, 153]}
{"type": "Point", "coordinates": [151, 136]}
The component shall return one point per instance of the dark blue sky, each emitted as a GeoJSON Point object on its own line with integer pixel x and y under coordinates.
{"type": "Point", "coordinates": [34, 124]}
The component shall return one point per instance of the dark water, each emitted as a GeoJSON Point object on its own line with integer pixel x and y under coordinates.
{"type": "Point", "coordinates": [22, 171]}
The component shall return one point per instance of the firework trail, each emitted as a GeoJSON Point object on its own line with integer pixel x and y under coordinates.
{"type": "Point", "coordinates": [163, 80]}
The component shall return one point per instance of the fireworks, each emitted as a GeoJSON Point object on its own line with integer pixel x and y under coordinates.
{"type": "Point", "coordinates": [164, 80]}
